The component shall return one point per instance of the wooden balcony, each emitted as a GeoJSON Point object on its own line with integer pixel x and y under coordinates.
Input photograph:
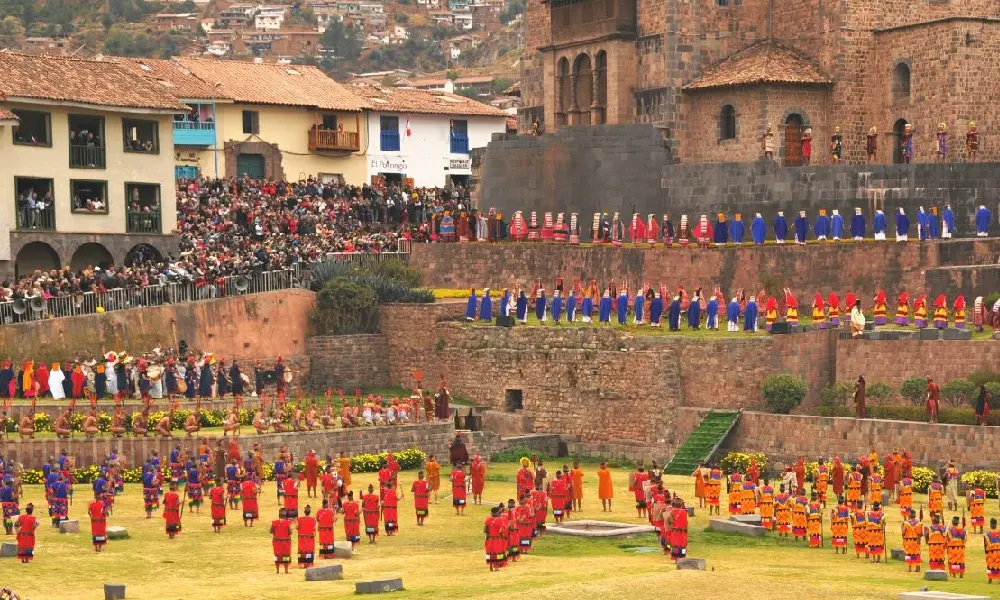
{"type": "Point", "coordinates": [322, 139]}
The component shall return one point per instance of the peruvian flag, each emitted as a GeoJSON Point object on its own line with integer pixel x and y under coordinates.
{"type": "Point", "coordinates": [408, 132]}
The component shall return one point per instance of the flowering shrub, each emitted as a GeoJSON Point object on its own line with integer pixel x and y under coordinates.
{"type": "Point", "coordinates": [740, 461]}
{"type": "Point", "coordinates": [987, 480]}
{"type": "Point", "coordinates": [921, 477]}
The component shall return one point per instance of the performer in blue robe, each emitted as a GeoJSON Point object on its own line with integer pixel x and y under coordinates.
{"type": "Point", "coordinates": [712, 314]}
{"type": "Point", "coordinates": [932, 224]}
{"type": "Point", "coordinates": [947, 222]}
{"type": "Point", "coordinates": [206, 382]}
{"type": "Point", "coordinates": [674, 314]}
{"type": "Point", "coordinates": [822, 228]}
{"type": "Point", "coordinates": [902, 226]}
{"type": "Point", "coordinates": [733, 316]}
{"type": "Point", "coordinates": [557, 306]}
{"type": "Point", "coordinates": [486, 307]}
{"type": "Point", "coordinates": [639, 305]}
{"type": "Point", "coordinates": [622, 306]}
{"type": "Point", "coordinates": [880, 226]}
{"type": "Point", "coordinates": [923, 227]}
{"type": "Point", "coordinates": [505, 303]}
{"type": "Point", "coordinates": [837, 225]}
{"type": "Point", "coordinates": [470, 307]}
{"type": "Point", "coordinates": [801, 227]}
{"type": "Point", "coordinates": [983, 218]}
{"type": "Point", "coordinates": [604, 310]}
{"type": "Point", "coordinates": [858, 225]}
{"type": "Point", "coordinates": [750, 315]}
{"type": "Point", "coordinates": [540, 306]}
{"type": "Point", "coordinates": [587, 308]}
{"type": "Point", "coordinates": [780, 228]}
{"type": "Point", "coordinates": [758, 230]}
{"type": "Point", "coordinates": [721, 234]}
{"type": "Point", "coordinates": [737, 230]}
{"type": "Point", "coordinates": [522, 307]}
{"type": "Point", "coordinates": [571, 307]}
{"type": "Point", "coordinates": [655, 310]}
{"type": "Point", "coordinates": [694, 311]}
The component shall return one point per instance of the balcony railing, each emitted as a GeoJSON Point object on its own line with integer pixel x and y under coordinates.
{"type": "Point", "coordinates": [459, 144]}
{"type": "Point", "coordinates": [320, 139]}
{"type": "Point", "coordinates": [389, 141]}
{"type": "Point", "coordinates": [194, 133]}
{"type": "Point", "coordinates": [32, 219]}
{"type": "Point", "coordinates": [87, 157]}
{"type": "Point", "coordinates": [143, 221]}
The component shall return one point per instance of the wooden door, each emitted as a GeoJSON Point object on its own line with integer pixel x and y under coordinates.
{"type": "Point", "coordinates": [793, 141]}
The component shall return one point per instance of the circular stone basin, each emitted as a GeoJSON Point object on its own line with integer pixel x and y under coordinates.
{"type": "Point", "coordinates": [598, 528]}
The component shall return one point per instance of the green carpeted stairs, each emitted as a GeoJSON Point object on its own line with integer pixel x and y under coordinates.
{"type": "Point", "coordinates": [703, 442]}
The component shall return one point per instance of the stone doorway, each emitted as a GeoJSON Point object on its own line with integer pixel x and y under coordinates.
{"type": "Point", "coordinates": [793, 140]}
{"type": "Point", "coordinates": [897, 139]}
{"type": "Point", "coordinates": [514, 400]}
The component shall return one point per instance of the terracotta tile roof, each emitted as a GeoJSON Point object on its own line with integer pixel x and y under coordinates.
{"type": "Point", "coordinates": [172, 77]}
{"type": "Point", "coordinates": [511, 123]}
{"type": "Point", "coordinates": [283, 85]}
{"type": "Point", "coordinates": [100, 83]}
{"type": "Point", "coordinates": [411, 100]}
{"type": "Point", "coordinates": [6, 115]}
{"type": "Point", "coordinates": [764, 62]}
{"type": "Point", "coordinates": [440, 81]}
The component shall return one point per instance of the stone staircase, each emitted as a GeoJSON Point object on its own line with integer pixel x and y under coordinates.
{"type": "Point", "coordinates": [703, 442]}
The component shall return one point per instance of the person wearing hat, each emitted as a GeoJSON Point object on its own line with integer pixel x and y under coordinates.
{"type": "Point", "coordinates": [951, 479]}
{"type": "Point", "coordinates": [677, 525]}
{"type": "Point", "coordinates": [956, 537]}
{"type": "Point", "coordinates": [497, 537]}
{"type": "Point", "coordinates": [935, 496]}
{"type": "Point", "coordinates": [26, 525]}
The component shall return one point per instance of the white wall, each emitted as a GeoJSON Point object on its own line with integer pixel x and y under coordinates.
{"type": "Point", "coordinates": [426, 155]}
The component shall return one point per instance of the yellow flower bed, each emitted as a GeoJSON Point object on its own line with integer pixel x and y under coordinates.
{"type": "Point", "coordinates": [448, 293]}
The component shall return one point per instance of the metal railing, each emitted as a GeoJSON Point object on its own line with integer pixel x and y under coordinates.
{"type": "Point", "coordinates": [87, 303]}
{"type": "Point", "coordinates": [459, 143]}
{"type": "Point", "coordinates": [389, 141]}
{"type": "Point", "coordinates": [143, 222]}
{"type": "Point", "coordinates": [361, 259]}
{"type": "Point", "coordinates": [195, 125]}
{"type": "Point", "coordinates": [32, 219]}
{"type": "Point", "coordinates": [87, 157]}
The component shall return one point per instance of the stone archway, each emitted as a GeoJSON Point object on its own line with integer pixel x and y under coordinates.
{"type": "Point", "coordinates": [270, 154]}
{"type": "Point", "coordinates": [35, 256]}
{"type": "Point", "coordinates": [563, 91]}
{"type": "Point", "coordinates": [897, 136]}
{"type": "Point", "coordinates": [583, 89]}
{"type": "Point", "coordinates": [141, 253]}
{"type": "Point", "coordinates": [91, 254]}
{"type": "Point", "coordinates": [793, 140]}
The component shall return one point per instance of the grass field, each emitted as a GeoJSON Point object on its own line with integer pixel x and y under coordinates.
{"type": "Point", "coordinates": [444, 559]}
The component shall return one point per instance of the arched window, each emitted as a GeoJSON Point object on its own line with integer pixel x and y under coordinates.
{"type": "Point", "coordinates": [563, 91]}
{"type": "Point", "coordinates": [727, 123]}
{"type": "Point", "coordinates": [583, 90]}
{"type": "Point", "coordinates": [601, 77]}
{"type": "Point", "coordinates": [901, 82]}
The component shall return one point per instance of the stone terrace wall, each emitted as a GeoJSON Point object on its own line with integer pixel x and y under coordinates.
{"type": "Point", "coordinates": [863, 268]}
{"type": "Point", "coordinates": [432, 438]}
{"type": "Point", "coordinates": [893, 362]}
{"type": "Point", "coordinates": [347, 361]}
{"type": "Point", "coordinates": [245, 327]}
{"type": "Point", "coordinates": [786, 437]}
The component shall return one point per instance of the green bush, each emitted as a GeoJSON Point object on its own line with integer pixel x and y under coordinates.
{"type": "Point", "coordinates": [739, 462]}
{"type": "Point", "coordinates": [914, 389]}
{"type": "Point", "coordinates": [994, 389]}
{"type": "Point", "coordinates": [879, 393]}
{"type": "Point", "coordinates": [836, 395]}
{"type": "Point", "coordinates": [783, 392]}
{"type": "Point", "coordinates": [987, 480]}
{"type": "Point", "coordinates": [949, 416]}
{"type": "Point", "coordinates": [958, 392]}
{"type": "Point", "coordinates": [345, 307]}
{"type": "Point", "coordinates": [981, 376]}
{"type": "Point", "coordinates": [397, 270]}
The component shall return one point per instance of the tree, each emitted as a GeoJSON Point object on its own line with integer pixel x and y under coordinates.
{"type": "Point", "coordinates": [342, 41]}
{"type": "Point", "coordinates": [451, 74]}
{"type": "Point", "coordinates": [783, 392]}
{"type": "Point", "coordinates": [500, 84]}
{"type": "Point", "coordinates": [188, 6]}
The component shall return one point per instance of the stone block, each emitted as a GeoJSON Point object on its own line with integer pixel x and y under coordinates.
{"type": "Point", "coordinates": [746, 519]}
{"type": "Point", "coordinates": [936, 575]}
{"type": "Point", "coordinates": [117, 533]}
{"type": "Point", "coordinates": [69, 527]}
{"type": "Point", "coordinates": [726, 526]}
{"type": "Point", "coordinates": [8, 550]}
{"type": "Point", "coordinates": [343, 549]}
{"type": "Point", "coordinates": [897, 554]}
{"type": "Point", "coordinates": [114, 591]}
{"type": "Point", "coordinates": [325, 573]}
{"type": "Point", "coordinates": [378, 586]}
{"type": "Point", "coordinates": [926, 595]}
{"type": "Point", "coordinates": [691, 564]}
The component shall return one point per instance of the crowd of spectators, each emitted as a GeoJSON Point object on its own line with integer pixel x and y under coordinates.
{"type": "Point", "coordinates": [233, 227]}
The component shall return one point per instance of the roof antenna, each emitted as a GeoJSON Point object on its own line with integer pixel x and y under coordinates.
{"type": "Point", "coordinates": [75, 52]}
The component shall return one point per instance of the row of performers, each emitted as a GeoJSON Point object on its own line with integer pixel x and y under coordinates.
{"type": "Point", "coordinates": [648, 305]}
{"type": "Point", "coordinates": [833, 227]}
{"type": "Point", "coordinates": [119, 376]}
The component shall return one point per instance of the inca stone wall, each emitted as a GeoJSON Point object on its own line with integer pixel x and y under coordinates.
{"type": "Point", "coordinates": [347, 361]}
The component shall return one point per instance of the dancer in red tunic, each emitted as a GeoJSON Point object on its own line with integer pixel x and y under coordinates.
{"type": "Point", "coordinates": [281, 541]}
{"type": "Point", "coordinates": [557, 493]}
{"type": "Point", "coordinates": [352, 520]}
{"type": "Point", "coordinates": [306, 526]}
{"type": "Point", "coordinates": [312, 473]}
{"type": "Point", "coordinates": [25, 526]}
{"type": "Point", "coordinates": [541, 511]}
{"type": "Point", "coordinates": [496, 540]}
{"type": "Point", "coordinates": [290, 490]}
{"type": "Point", "coordinates": [217, 498]}
{"type": "Point", "coordinates": [525, 516]}
{"type": "Point", "coordinates": [458, 489]}
{"type": "Point", "coordinates": [325, 519]}
{"type": "Point", "coordinates": [677, 523]}
{"type": "Point", "coordinates": [248, 494]}
{"type": "Point", "coordinates": [370, 508]}
{"type": "Point", "coordinates": [513, 532]}
{"type": "Point", "coordinates": [98, 523]}
{"type": "Point", "coordinates": [390, 508]}
{"type": "Point", "coordinates": [421, 497]}
{"type": "Point", "coordinates": [172, 511]}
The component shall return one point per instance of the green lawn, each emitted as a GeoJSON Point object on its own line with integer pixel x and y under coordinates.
{"type": "Point", "coordinates": [444, 559]}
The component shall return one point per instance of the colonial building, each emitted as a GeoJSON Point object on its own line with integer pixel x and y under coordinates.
{"type": "Point", "coordinates": [424, 136]}
{"type": "Point", "coordinates": [713, 73]}
{"type": "Point", "coordinates": [88, 164]}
